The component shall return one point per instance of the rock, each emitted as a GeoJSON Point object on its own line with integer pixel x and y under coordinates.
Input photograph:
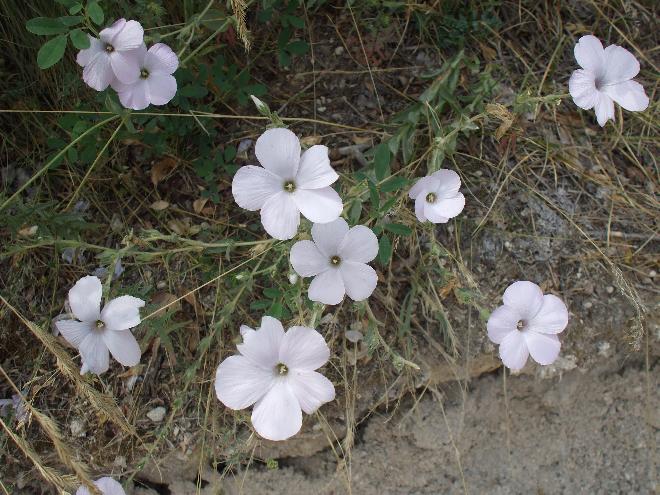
{"type": "Point", "coordinates": [157, 414]}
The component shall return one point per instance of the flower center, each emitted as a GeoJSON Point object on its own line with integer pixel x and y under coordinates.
{"type": "Point", "coordinates": [144, 73]}
{"type": "Point", "coordinates": [109, 48]}
{"type": "Point", "coordinates": [521, 325]}
{"type": "Point", "coordinates": [289, 186]}
{"type": "Point", "coordinates": [335, 260]}
{"type": "Point", "coordinates": [281, 368]}
{"type": "Point", "coordinates": [430, 198]}
{"type": "Point", "coordinates": [100, 324]}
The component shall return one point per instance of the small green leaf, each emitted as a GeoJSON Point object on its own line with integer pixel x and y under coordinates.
{"type": "Point", "coordinates": [298, 47]}
{"type": "Point", "coordinates": [79, 39]}
{"type": "Point", "coordinates": [71, 20]}
{"type": "Point", "coordinates": [382, 158]}
{"type": "Point", "coordinates": [384, 249]}
{"type": "Point", "coordinates": [95, 13]}
{"type": "Point", "coordinates": [51, 52]}
{"type": "Point", "coordinates": [75, 8]}
{"type": "Point", "coordinates": [398, 229]}
{"type": "Point", "coordinates": [393, 183]}
{"type": "Point", "coordinates": [45, 26]}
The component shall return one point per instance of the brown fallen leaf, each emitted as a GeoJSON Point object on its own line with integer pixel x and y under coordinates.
{"type": "Point", "coordinates": [198, 204]}
{"type": "Point", "coordinates": [310, 141]}
{"type": "Point", "coordinates": [159, 205]}
{"type": "Point", "coordinates": [162, 168]}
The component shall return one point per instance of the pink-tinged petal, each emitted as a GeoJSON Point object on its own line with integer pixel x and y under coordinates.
{"type": "Point", "coordinates": [307, 260]}
{"type": "Point", "coordinates": [122, 313]}
{"type": "Point", "coordinates": [360, 244]}
{"type": "Point", "coordinates": [74, 331]}
{"type": "Point", "coordinates": [629, 94]}
{"type": "Point", "coordinates": [94, 354]}
{"type": "Point", "coordinates": [86, 55]}
{"type": "Point", "coordinates": [106, 485]}
{"type": "Point", "coordinates": [543, 348]}
{"type": "Point", "coordinates": [125, 66]}
{"type": "Point", "coordinates": [525, 297]}
{"type": "Point", "coordinates": [604, 109]}
{"type": "Point", "coordinates": [280, 216]}
{"type": "Point", "coordinates": [262, 347]}
{"type": "Point", "coordinates": [360, 280]}
{"type": "Point", "coordinates": [328, 236]}
{"type": "Point", "coordinates": [245, 330]}
{"type": "Point", "coordinates": [134, 96]}
{"type": "Point", "coordinates": [108, 34]}
{"type": "Point", "coordinates": [441, 210]}
{"type": "Point", "coordinates": [130, 37]}
{"type": "Point", "coordinates": [252, 186]}
{"type": "Point", "coordinates": [502, 321]}
{"type": "Point", "coordinates": [318, 205]}
{"type": "Point", "coordinates": [513, 351]}
{"type": "Point", "coordinates": [160, 59]}
{"type": "Point", "coordinates": [123, 346]}
{"type": "Point", "coordinates": [314, 170]}
{"type": "Point", "coordinates": [582, 87]}
{"type": "Point", "coordinates": [449, 183]}
{"type": "Point", "coordinates": [420, 202]}
{"type": "Point", "coordinates": [277, 416]}
{"type": "Point", "coordinates": [85, 299]}
{"type": "Point", "coordinates": [620, 65]}
{"type": "Point", "coordinates": [589, 54]}
{"type": "Point", "coordinates": [327, 287]}
{"type": "Point", "coordinates": [303, 349]}
{"type": "Point", "coordinates": [239, 383]}
{"type": "Point", "coordinates": [551, 318]}
{"type": "Point", "coordinates": [312, 389]}
{"type": "Point", "coordinates": [162, 88]}
{"type": "Point", "coordinates": [423, 186]}
{"type": "Point", "coordinates": [278, 150]}
{"type": "Point", "coordinates": [98, 73]}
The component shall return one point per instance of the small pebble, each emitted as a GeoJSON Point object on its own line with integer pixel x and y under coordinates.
{"type": "Point", "coordinates": [588, 305]}
{"type": "Point", "coordinates": [339, 50]}
{"type": "Point", "coordinates": [653, 274]}
{"type": "Point", "coordinates": [161, 285]}
{"type": "Point", "coordinates": [157, 414]}
{"type": "Point", "coordinates": [354, 336]}
{"type": "Point", "coordinates": [609, 289]}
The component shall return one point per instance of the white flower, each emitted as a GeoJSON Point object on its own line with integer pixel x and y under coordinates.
{"type": "Point", "coordinates": [436, 196]}
{"type": "Point", "coordinates": [96, 332]}
{"type": "Point", "coordinates": [605, 78]}
{"type": "Point", "coordinates": [287, 184]}
{"type": "Point", "coordinates": [107, 486]}
{"type": "Point", "coordinates": [112, 56]}
{"type": "Point", "coordinates": [337, 259]}
{"type": "Point", "coordinates": [275, 372]}
{"type": "Point", "coordinates": [527, 323]}
{"type": "Point", "coordinates": [155, 84]}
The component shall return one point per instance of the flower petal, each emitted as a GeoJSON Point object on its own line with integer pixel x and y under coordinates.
{"type": "Point", "coordinates": [502, 321]}
{"type": "Point", "coordinates": [307, 260]}
{"type": "Point", "coordinates": [551, 318]}
{"type": "Point", "coordinates": [74, 331]}
{"type": "Point", "coordinates": [422, 186]}
{"type": "Point", "coordinates": [589, 54]}
{"type": "Point", "coordinates": [449, 183]}
{"type": "Point", "coordinates": [106, 485]}
{"type": "Point", "coordinates": [85, 299]}
{"type": "Point", "coordinates": [525, 297]}
{"type": "Point", "coordinates": [239, 383]}
{"type": "Point", "coordinates": [262, 347]}
{"type": "Point", "coordinates": [161, 59]}
{"type": "Point", "coordinates": [130, 37]}
{"type": "Point", "coordinates": [315, 170]}
{"type": "Point", "coordinates": [582, 87]}
{"type": "Point", "coordinates": [441, 210]}
{"type": "Point", "coordinates": [86, 55]}
{"type": "Point", "coordinates": [513, 351]}
{"type": "Point", "coordinates": [419, 208]}
{"type": "Point", "coordinates": [162, 88]}
{"type": "Point", "coordinates": [360, 280]}
{"type": "Point", "coordinates": [604, 109]}
{"type": "Point", "coordinates": [125, 66]}
{"type": "Point", "coordinates": [327, 287]}
{"type": "Point", "coordinates": [134, 96]}
{"type": "Point", "coordinates": [108, 34]}
{"type": "Point", "coordinates": [303, 349]}
{"type": "Point", "coordinates": [360, 244]}
{"type": "Point", "coordinates": [280, 216]}
{"type": "Point", "coordinates": [620, 65]}
{"type": "Point", "coordinates": [98, 73]}
{"type": "Point", "coordinates": [318, 205]}
{"type": "Point", "coordinates": [312, 389]}
{"type": "Point", "coordinates": [328, 236]}
{"type": "Point", "coordinates": [278, 151]}
{"type": "Point", "coordinates": [123, 346]}
{"type": "Point", "coordinates": [543, 348]}
{"type": "Point", "coordinates": [252, 186]}
{"type": "Point", "coordinates": [629, 94]}
{"type": "Point", "coordinates": [277, 416]}
{"type": "Point", "coordinates": [94, 354]}
{"type": "Point", "coordinates": [122, 313]}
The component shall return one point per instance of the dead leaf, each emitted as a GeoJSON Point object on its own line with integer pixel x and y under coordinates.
{"type": "Point", "coordinates": [28, 231]}
{"type": "Point", "coordinates": [166, 303]}
{"type": "Point", "coordinates": [159, 205]}
{"type": "Point", "coordinates": [162, 168]}
{"type": "Point", "coordinates": [198, 204]}
{"type": "Point", "coordinates": [310, 141]}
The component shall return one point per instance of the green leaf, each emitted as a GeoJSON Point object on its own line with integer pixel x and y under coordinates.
{"type": "Point", "coordinates": [382, 158]}
{"type": "Point", "coordinates": [298, 47]}
{"type": "Point", "coordinates": [95, 13]}
{"type": "Point", "coordinates": [398, 229]}
{"type": "Point", "coordinates": [393, 184]}
{"type": "Point", "coordinates": [51, 52]}
{"type": "Point", "coordinates": [67, 3]}
{"type": "Point", "coordinates": [75, 8]}
{"type": "Point", "coordinates": [71, 20]}
{"type": "Point", "coordinates": [384, 249]}
{"type": "Point", "coordinates": [79, 39]}
{"type": "Point", "coordinates": [373, 196]}
{"type": "Point", "coordinates": [45, 26]}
